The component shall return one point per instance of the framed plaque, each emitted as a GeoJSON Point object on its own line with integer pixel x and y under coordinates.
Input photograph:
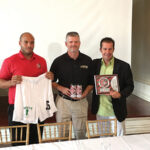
{"type": "Point", "coordinates": [106, 83]}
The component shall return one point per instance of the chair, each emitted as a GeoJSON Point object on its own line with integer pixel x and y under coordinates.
{"type": "Point", "coordinates": [97, 128]}
{"type": "Point", "coordinates": [55, 131]}
{"type": "Point", "coordinates": [19, 131]}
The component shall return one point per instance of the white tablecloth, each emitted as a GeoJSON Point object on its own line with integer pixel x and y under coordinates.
{"type": "Point", "coordinates": [130, 142]}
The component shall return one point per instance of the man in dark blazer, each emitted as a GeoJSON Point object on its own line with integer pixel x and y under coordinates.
{"type": "Point", "coordinates": [114, 104]}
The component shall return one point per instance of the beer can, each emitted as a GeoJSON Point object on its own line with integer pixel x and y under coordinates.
{"type": "Point", "coordinates": [79, 91]}
{"type": "Point", "coordinates": [73, 93]}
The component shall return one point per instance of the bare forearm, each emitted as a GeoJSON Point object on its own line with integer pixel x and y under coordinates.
{"type": "Point", "coordinates": [87, 90]}
{"type": "Point", "coordinates": [56, 86]}
{"type": "Point", "coordinates": [60, 88]}
{"type": "Point", "coordinates": [16, 79]}
{"type": "Point", "coordinates": [4, 84]}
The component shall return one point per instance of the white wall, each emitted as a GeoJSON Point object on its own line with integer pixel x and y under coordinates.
{"type": "Point", "coordinates": [50, 20]}
{"type": "Point", "coordinates": [140, 48]}
{"type": "Point", "coordinates": [142, 90]}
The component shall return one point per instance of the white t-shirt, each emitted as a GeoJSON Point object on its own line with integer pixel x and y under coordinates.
{"type": "Point", "coordinates": [33, 100]}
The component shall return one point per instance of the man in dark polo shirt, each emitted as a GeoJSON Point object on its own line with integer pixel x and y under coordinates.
{"type": "Point", "coordinates": [72, 68]}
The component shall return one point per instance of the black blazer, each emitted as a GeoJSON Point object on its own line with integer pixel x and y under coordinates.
{"type": "Point", "coordinates": [123, 70]}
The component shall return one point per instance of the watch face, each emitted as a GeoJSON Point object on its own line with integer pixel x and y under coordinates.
{"type": "Point", "coordinates": [103, 82]}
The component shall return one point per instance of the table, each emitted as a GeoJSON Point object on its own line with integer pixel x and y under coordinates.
{"type": "Point", "coordinates": [130, 142]}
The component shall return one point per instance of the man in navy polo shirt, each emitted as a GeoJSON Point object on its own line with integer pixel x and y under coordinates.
{"type": "Point", "coordinates": [74, 68]}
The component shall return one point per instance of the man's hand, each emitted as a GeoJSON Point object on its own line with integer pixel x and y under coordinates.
{"type": "Point", "coordinates": [49, 75]}
{"type": "Point", "coordinates": [79, 98]}
{"type": "Point", "coordinates": [64, 90]}
{"type": "Point", "coordinates": [16, 79]}
{"type": "Point", "coordinates": [115, 94]}
{"type": "Point", "coordinates": [85, 93]}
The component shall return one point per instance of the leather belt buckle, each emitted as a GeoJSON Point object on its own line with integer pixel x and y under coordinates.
{"type": "Point", "coordinates": [67, 97]}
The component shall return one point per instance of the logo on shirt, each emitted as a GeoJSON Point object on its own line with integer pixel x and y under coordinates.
{"type": "Point", "coordinates": [84, 66]}
{"type": "Point", "coordinates": [38, 65]}
{"type": "Point", "coordinates": [27, 110]}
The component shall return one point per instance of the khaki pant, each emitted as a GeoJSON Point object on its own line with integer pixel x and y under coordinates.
{"type": "Point", "coordinates": [75, 111]}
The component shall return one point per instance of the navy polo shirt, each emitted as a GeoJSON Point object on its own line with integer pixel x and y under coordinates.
{"type": "Point", "coordinates": [68, 71]}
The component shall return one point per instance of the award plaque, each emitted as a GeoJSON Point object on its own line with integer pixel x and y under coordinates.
{"type": "Point", "coordinates": [106, 83]}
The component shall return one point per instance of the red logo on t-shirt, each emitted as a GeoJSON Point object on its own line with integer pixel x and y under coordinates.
{"type": "Point", "coordinates": [38, 65]}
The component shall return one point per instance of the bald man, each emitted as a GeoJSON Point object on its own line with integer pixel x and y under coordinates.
{"type": "Point", "coordinates": [24, 63]}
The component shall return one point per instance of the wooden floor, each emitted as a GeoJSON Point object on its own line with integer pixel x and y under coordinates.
{"type": "Point", "coordinates": [135, 105]}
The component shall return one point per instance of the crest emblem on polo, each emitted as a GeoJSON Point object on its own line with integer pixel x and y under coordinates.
{"type": "Point", "coordinates": [38, 65]}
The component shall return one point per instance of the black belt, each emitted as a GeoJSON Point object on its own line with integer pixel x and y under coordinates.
{"type": "Point", "coordinates": [67, 97]}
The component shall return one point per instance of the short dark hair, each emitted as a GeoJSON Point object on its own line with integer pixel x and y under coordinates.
{"type": "Point", "coordinates": [24, 34]}
{"type": "Point", "coordinates": [72, 34]}
{"type": "Point", "coordinates": [107, 40]}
